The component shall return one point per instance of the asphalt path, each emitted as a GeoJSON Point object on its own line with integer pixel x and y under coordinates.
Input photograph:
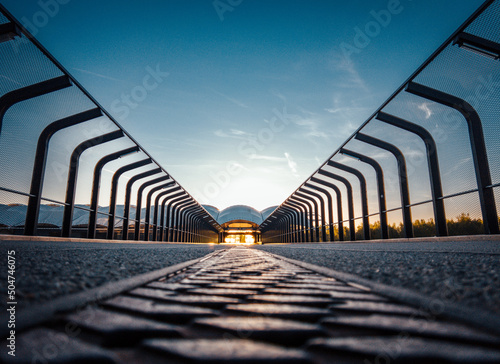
{"type": "Point", "coordinates": [46, 270]}
{"type": "Point", "coordinates": [464, 272]}
{"type": "Point", "coordinates": [461, 272]}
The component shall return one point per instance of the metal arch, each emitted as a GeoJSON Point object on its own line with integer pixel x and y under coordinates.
{"type": "Point", "coordinates": [73, 175]}
{"type": "Point", "coordinates": [323, 214]}
{"type": "Point", "coordinates": [316, 211]}
{"type": "Point", "coordinates": [302, 216]}
{"type": "Point", "coordinates": [309, 209]}
{"type": "Point", "coordinates": [296, 221]}
{"type": "Point", "coordinates": [379, 173]}
{"type": "Point", "coordinates": [350, 200]}
{"type": "Point", "coordinates": [128, 193]}
{"type": "Point", "coordinates": [138, 208]}
{"type": "Point", "coordinates": [177, 221]}
{"type": "Point", "coordinates": [330, 207]}
{"type": "Point", "coordinates": [364, 195]}
{"type": "Point", "coordinates": [432, 163]}
{"type": "Point", "coordinates": [339, 204]}
{"type": "Point", "coordinates": [478, 44]}
{"type": "Point", "coordinates": [31, 91]}
{"type": "Point", "coordinates": [40, 162]}
{"type": "Point", "coordinates": [185, 215]}
{"type": "Point", "coordinates": [188, 218]}
{"type": "Point", "coordinates": [305, 219]}
{"type": "Point", "coordinates": [9, 31]}
{"type": "Point", "coordinates": [96, 182]}
{"type": "Point", "coordinates": [478, 146]}
{"type": "Point", "coordinates": [170, 214]}
{"type": "Point", "coordinates": [156, 207]}
{"type": "Point", "coordinates": [165, 212]}
{"type": "Point", "coordinates": [287, 228]}
{"type": "Point", "coordinates": [296, 216]}
{"type": "Point", "coordinates": [114, 187]}
{"type": "Point", "coordinates": [162, 211]}
{"type": "Point", "coordinates": [147, 218]}
{"type": "Point", "coordinates": [403, 178]}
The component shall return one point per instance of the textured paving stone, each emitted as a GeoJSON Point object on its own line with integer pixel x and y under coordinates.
{"type": "Point", "coordinates": [411, 325]}
{"type": "Point", "coordinates": [280, 310]}
{"type": "Point", "coordinates": [275, 330]}
{"type": "Point", "coordinates": [376, 307]}
{"type": "Point", "coordinates": [227, 351]}
{"type": "Point", "coordinates": [362, 296]}
{"type": "Point", "coordinates": [297, 291]}
{"type": "Point", "coordinates": [152, 293]}
{"type": "Point", "coordinates": [118, 328]}
{"type": "Point", "coordinates": [160, 311]}
{"type": "Point", "coordinates": [227, 292]}
{"type": "Point", "coordinates": [305, 285]}
{"type": "Point", "coordinates": [407, 350]}
{"type": "Point", "coordinates": [291, 299]}
{"type": "Point", "coordinates": [170, 286]}
{"type": "Point", "coordinates": [237, 305]}
{"type": "Point", "coordinates": [189, 299]}
{"type": "Point", "coordinates": [48, 346]}
{"type": "Point", "coordinates": [250, 286]}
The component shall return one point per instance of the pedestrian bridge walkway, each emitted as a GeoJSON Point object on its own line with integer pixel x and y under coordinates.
{"type": "Point", "coordinates": [241, 305]}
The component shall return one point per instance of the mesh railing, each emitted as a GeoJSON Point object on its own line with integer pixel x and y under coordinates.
{"type": "Point", "coordinates": [426, 163]}
{"type": "Point", "coordinates": [67, 168]}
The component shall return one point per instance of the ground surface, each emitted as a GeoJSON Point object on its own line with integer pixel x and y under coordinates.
{"type": "Point", "coordinates": [45, 270]}
{"type": "Point", "coordinates": [463, 272]}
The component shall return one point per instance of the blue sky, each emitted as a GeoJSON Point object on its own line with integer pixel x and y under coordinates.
{"type": "Point", "coordinates": [250, 98]}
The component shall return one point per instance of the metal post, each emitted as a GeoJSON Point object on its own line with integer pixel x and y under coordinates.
{"type": "Point", "coordinates": [168, 215]}
{"type": "Point", "coordinates": [96, 185]}
{"type": "Point", "coordinates": [114, 191]}
{"type": "Point", "coordinates": [147, 219]}
{"type": "Point", "coordinates": [162, 212]}
{"type": "Point", "coordinates": [384, 229]}
{"type": "Point", "coordinates": [323, 215]}
{"type": "Point", "coordinates": [403, 179]}
{"type": "Point", "coordinates": [172, 205]}
{"type": "Point", "coordinates": [478, 146]}
{"type": "Point", "coordinates": [40, 162]}
{"type": "Point", "coordinates": [305, 220]}
{"type": "Point", "coordinates": [73, 175]}
{"type": "Point", "coordinates": [330, 207]}
{"type": "Point", "coordinates": [31, 91]}
{"type": "Point", "coordinates": [339, 205]}
{"type": "Point", "coordinates": [364, 195]}
{"type": "Point", "coordinates": [350, 201]}
{"type": "Point", "coordinates": [128, 193]}
{"type": "Point", "coordinates": [316, 211]}
{"type": "Point", "coordinates": [433, 165]}
{"type": "Point", "coordinates": [156, 207]}
{"type": "Point", "coordinates": [138, 208]}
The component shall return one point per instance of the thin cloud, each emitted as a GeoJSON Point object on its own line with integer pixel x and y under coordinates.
{"type": "Point", "coordinates": [230, 99]}
{"type": "Point", "coordinates": [425, 108]}
{"type": "Point", "coordinates": [97, 75]}
{"type": "Point", "coordinates": [233, 133]}
{"type": "Point", "coordinates": [291, 164]}
{"type": "Point", "coordinates": [267, 158]}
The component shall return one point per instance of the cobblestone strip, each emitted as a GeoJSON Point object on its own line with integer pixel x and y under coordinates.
{"type": "Point", "coordinates": [247, 306]}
